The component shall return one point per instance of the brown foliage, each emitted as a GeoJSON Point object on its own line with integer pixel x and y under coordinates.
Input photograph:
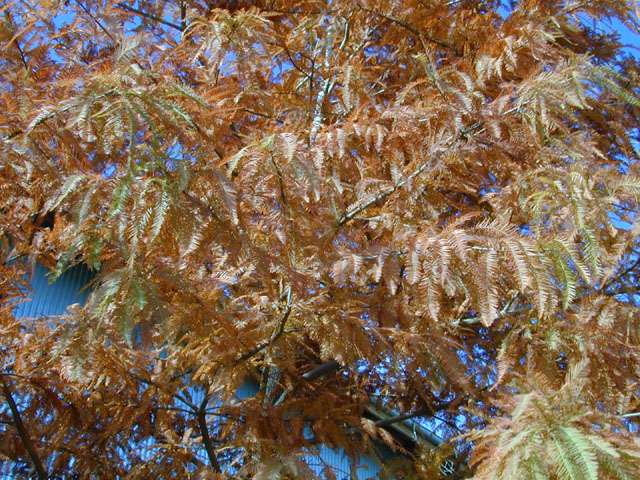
{"type": "Point", "coordinates": [442, 200]}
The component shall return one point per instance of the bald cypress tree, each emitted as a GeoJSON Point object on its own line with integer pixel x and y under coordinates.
{"type": "Point", "coordinates": [436, 200]}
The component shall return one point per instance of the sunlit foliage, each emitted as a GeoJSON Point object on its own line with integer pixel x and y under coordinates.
{"type": "Point", "coordinates": [440, 196]}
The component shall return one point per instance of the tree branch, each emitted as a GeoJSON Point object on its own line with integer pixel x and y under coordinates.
{"type": "Point", "coordinates": [98, 22]}
{"type": "Point", "coordinates": [421, 412]}
{"type": "Point", "coordinates": [159, 387]}
{"type": "Point", "coordinates": [366, 205]}
{"type": "Point", "coordinates": [51, 115]}
{"type": "Point", "coordinates": [412, 29]}
{"type": "Point", "coordinates": [624, 289]}
{"type": "Point", "coordinates": [385, 422]}
{"type": "Point", "coordinates": [204, 433]}
{"type": "Point", "coordinates": [183, 15]}
{"type": "Point", "coordinates": [200, 413]}
{"type": "Point", "coordinates": [152, 17]}
{"type": "Point", "coordinates": [632, 414]}
{"type": "Point", "coordinates": [383, 194]}
{"type": "Point", "coordinates": [310, 376]}
{"type": "Point", "coordinates": [323, 369]}
{"type": "Point", "coordinates": [286, 50]}
{"type": "Point", "coordinates": [22, 432]}
{"type": "Point", "coordinates": [463, 134]}
{"type": "Point", "coordinates": [16, 40]}
{"type": "Point", "coordinates": [619, 277]}
{"type": "Point", "coordinates": [264, 115]}
{"type": "Point", "coordinates": [277, 334]}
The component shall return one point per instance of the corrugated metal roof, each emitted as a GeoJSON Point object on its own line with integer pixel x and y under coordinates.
{"type": "Point", "coordinates": [53, 298]}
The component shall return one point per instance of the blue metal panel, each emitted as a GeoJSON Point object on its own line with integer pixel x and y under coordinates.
{"type": "Point", "coordinates": [53, 298]}
{"type": "Point", "coordinates": [249, 389]}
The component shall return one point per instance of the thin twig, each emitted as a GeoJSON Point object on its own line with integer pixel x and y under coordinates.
{"type": "Point", "coordinates": [150, 16]}
{"type": "Point", "coordinates": [411, 28]}
{"type": "Point", "coordinates": [16, 40]}
{"type": "Point", "coordinates": [619, 276]}
{"type": "Point", "coordinates": [276, 334]}
{"type": "Point", "coordinates": [177, 376]}
{"type": "Point", "coordinates": [22, 57]}
{"type": "Point", "coordinates": [471, 128]}
{"type": "Point", "coordinates": [285, 49]}
{"type": "Point", "coordinates": [264, 115]}
{"type": "Point", "coordinates": [154, 384]}
{"type": "Point", "coordinates": [98, 22]}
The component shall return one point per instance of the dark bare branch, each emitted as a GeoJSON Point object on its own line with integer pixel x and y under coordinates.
{"type": "Point", "coordinates": [152, 17]}
{"type": "Point", "coordinates": [321, 370]}
{"type": "Point", "coordinates": [204, 432]}
{"type": "Point", "coordinates": [385, 422]}
{"type": "Point", "coordinates": [22, 431]}
{"type": "Point", "coordinates": [411, 28]}
{"type": "Point", "coordinates": [95, 19]}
